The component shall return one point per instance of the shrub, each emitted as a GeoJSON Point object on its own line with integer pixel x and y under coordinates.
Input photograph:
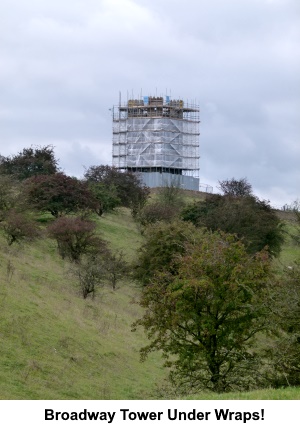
{"type": "Point", "coordinates": [251, 219]}
{"type": "Point", "coordinates": [90, 274]}
{"type": "Point", "coordinates": [75, 237]}
{"type": "Point", "coordinates": [18, 227]}
{"type": "Point", "coordinates": [116, 267]}
{"type": "Point", "coordinates": [155, 212]}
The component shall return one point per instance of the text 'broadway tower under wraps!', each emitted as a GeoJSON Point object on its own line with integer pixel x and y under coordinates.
{"type": "Point", "coordinates": [159, 138]}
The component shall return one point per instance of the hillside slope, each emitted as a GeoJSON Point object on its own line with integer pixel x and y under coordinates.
{"type": "Point", "coordinates": [54, 344]}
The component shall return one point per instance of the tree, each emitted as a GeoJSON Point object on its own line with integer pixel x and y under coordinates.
{"type": "Point", "coordinates": [30, 162]}
{"type": "Point", "coordinates": [162, 242]}
{"type": "Point", "coordinates": [130, 191]}
{"type": "Point", "coordinates": [59, 194]}
{"type": "Point", "coordinates": [90, 274]}
{"type": "Point", "coordinates": [18, 227]}
{"type": "Point", "coordinates": [235, 187]}
{"type": "Point", "coordinates": [116, 267]}
{"type": "Point", "coordinates": [253, 220]}
{"type": "Point", "coordinates": [106, 197]}
{"type": "Point", "coordinates": [94, 269]}
{"type": "Point", "coordinates": [76, 237]}
{"type": "Point", "coordinates": [205, 317]}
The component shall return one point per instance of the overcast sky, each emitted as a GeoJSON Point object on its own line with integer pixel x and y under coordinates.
{"type": "Point", "coordinates": [64, 62]}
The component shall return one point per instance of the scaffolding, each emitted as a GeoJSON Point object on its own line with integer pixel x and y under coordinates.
{"type": "Point", "coordinates": [156, 135]}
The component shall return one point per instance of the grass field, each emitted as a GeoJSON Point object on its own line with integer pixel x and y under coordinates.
{"type": "Point", "coordinates": [55, 345]}
{"type": "Point", "coordinates": [290, 393]}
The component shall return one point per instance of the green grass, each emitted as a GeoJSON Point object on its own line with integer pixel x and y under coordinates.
{"type": "Point", "coordinates": [290, 393]}
{"type": "Point", "coordinates": [55, 345]}
{"type": "Point", "coordinates": [290, 252]}
{"type": "Point", "coordinates": [119, 229]}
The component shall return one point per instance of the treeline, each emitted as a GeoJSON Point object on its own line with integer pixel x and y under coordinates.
{"type": "Point", "coordinates": [223, 314]}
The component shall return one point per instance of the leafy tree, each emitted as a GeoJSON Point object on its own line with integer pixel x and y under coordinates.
{"type": "Point", "coordinates": [106, 197]}
{"type": "Point", "coordinates": [205, 316]}
{"type": "Point", "coordinates": [30, 162]}
{"type": "Point", "coordinates": [235, 187]}
{"type": "Point", "coordinates": [59, 194]}
{"type": "Point", "coordinates": [128, 186]}
{"type": "Point", "coordinates": [18, 227]}
{"type": "Point", "coordinates": [76, 237]}
{"type": "Point", "coordinates": [253, 220]}
{"type": "Point", "coordinates": [162, 242]}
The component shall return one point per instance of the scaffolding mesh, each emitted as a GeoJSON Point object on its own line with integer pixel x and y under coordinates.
{"type": "Point", "coordinates": [156, 135]}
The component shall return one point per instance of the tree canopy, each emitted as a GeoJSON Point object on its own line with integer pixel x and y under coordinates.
{"type": "Point", "coordinates": [59, 194]}
{"type": "Point", "coordinates": [235, 187]}
{"type": "Point", "coordinates": [204, 317]}
{"type": "Point", "coordinates": [129, 189]}
{"type": "Point", "coordinates": [29, 162]}
{"type": "Point", "coordinates": [162, 242]}
{"type": "Point", "coordinates": [75, 237]}
{"type": "Point", "coordinates": [251, 219]}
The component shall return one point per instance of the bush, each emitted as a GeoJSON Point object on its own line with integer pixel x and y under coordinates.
{"type": "Point", "coordinates": [18, 227]}
{"type": "Point", "coordinates": [90, 274]}
{"type": "Point", "coordinates": [251, 219]}
{"type": "Point", "coordinates": [236, 187]}
{"type": "Point", "coordinates": [75, 237]}
{"type": "Point", "coordinates": [171, 195]}
{"type": "Point", "coordinates": [116, 267]}
{"type": "Point", "coordinates": [155, 212]}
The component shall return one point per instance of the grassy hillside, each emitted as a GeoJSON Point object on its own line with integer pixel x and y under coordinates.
{"type": "Point", "coordinates": [55, 345]}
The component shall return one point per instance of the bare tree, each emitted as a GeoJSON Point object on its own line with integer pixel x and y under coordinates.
{"type": "Point", "coordinates": [236, 187]}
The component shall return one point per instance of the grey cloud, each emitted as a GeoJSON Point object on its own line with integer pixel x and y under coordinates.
{"type": "Point", "coordinates": [62, 67]}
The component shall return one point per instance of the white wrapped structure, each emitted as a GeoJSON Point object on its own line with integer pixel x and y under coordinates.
{"type": "Point", "coordinates": [160, 139]}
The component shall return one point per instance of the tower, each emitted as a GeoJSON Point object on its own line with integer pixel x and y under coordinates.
{"type": "Point", "coordinates": [159, 138]}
